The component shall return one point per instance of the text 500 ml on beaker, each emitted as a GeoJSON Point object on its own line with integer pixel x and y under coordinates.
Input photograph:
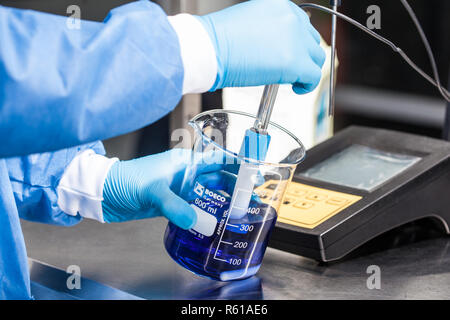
{"type": "Point", "coordinates": [236, 198]}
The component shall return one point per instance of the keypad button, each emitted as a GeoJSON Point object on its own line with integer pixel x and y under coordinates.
{"type": "Point", "coordinates": [337, 201]}
{"type": "Point", "coordinates": [288, 200]}
{"type": "Point", "coordinates": [316, 196]}
{"type": "Point", "coordinates": [303, 204]}
{"type": "Point", "coordinates": [296, 192]}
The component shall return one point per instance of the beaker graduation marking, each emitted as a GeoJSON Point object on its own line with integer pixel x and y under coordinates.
{"type": "Point", "coordinates": [255, 241]}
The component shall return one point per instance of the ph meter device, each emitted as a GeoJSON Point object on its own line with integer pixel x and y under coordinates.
{"type": "Point", "coordinates": [358, 185]}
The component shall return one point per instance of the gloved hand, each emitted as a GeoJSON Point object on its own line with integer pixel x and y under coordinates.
{"type": "Point", "coordinates": [261, 42]}
{"type": "Point", "coordinates": [144, 188]}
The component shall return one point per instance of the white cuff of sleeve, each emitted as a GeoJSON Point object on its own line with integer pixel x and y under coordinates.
{"type": "Point", "coordinates": [80, 189]}
{"type": "Point", "coordinates": [197, 53]}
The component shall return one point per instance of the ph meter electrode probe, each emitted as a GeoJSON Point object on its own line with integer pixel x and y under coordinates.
{"type": "Point", "coordinates": [254, 147]}
{"type": "Point", "coordinates": [334, 4]}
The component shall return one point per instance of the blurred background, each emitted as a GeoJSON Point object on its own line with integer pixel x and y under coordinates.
{"type": "Point", "coordinates": [375, 87]}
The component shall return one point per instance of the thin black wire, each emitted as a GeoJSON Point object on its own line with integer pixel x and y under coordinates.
{"type": "Point", "coordinates": [426, 44]}
{"type": "Point", "coordinates": [434, 81]}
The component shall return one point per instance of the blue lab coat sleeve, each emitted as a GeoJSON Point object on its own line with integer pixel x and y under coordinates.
{"type": "Point", "coordinates": [63, 87]}
{"type": "Point", "coordinates": [28, 190]}
{"type": "Point", "coordinates": [34, 179]}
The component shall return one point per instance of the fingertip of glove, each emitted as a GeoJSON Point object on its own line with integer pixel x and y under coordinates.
{"type": "Point", "coordinates": [188, 219]}
{"type": "Point", "coordinates": [299, 88]}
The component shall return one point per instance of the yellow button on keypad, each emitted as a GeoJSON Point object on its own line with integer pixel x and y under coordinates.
{"type": "Point", "coordinates": [303, 204]}
{"type": "Point", "coordinates": [316, 196]}
{"type": "Point", "coordinates": [296, 192]}
{"type": "Point", "coordinates": [289, 200]}
{"type": "Point", "coordinates": [337, 201]}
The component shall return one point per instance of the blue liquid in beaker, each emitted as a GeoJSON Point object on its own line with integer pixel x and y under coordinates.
{"type": "Point", "coordinates": [234, 251]}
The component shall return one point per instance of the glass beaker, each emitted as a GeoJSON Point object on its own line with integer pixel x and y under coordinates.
{"type": "Point", "coordinates": [236, 198]}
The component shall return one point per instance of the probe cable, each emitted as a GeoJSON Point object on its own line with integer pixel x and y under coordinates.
{"type": "Point", "coordinates": [436, 82]}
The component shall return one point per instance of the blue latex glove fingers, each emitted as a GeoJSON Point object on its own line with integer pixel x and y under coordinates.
{"type": "Point", "coordinates": [303, 15]}
{"type": "Point", "coordinates": [317, 54]}
{"type": "Point", "coordinates": [302, 88]}
{"type": "Point", "coordinates": [144, 188]}
{"type": "Point", "coordinates": [174, 208]}
{"type": "Point", "coordinates": [263, 42]}
{"type": "Point", "coordinates": [310, 79]}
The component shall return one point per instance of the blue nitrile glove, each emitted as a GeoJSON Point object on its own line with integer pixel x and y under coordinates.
{"type": "Point", "coordinates": [145, 188]}
{"type": "Point", "coordinates": [263, 42]}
